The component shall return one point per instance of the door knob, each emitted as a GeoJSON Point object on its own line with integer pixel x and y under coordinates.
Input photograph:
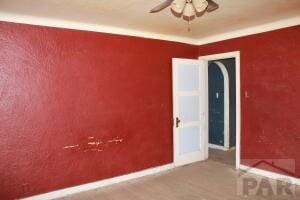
{"type": "Point", "coordinates": [177, 122]}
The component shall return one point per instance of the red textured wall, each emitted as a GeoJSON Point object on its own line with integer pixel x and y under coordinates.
{"type": "Point", "coordinates": [270, 74]}
{"type": "Point", "coordinates": [77, 106]}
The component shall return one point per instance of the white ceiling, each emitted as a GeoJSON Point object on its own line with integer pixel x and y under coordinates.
{"type": "Point", "coordinates": [134, 14]}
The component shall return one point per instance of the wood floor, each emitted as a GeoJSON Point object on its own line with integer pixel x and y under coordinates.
{"type": "Point", "coordinates": [226, 157]}
{"type": "Point", "coordinates": [208, 180]}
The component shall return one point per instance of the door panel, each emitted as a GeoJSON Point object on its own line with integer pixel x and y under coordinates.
{"type": "Point", "coordinates": [189, 77]}
{"type": "Point", "coordinates": [188, 103]}
{"type": "Point", "coordinates": [189, 140]}
{"type": "Point", "coordinates": [188, 108]}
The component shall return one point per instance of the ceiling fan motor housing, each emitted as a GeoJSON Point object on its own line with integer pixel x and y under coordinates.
{"type": "Point", "coordinates": [189, 8]}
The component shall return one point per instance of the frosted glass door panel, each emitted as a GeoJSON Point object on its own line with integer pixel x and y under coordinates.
{"type": "Point", "coordinates": [188, 92]}
{"type": "Point", "coordinates": [188, 79]}
{"type": "Point", "coordinates": [189, 140]}
{"type": "Point", "coordinates": [189, 108]}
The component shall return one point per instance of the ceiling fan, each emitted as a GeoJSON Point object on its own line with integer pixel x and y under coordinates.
{"type": "Point", "coordinates": [188, 9]}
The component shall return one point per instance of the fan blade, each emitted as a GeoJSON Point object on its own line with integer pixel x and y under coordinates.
{"type": "Point", "coordinates": [211, 6]}
{"type": "Point", "coordinates": [161, 6]}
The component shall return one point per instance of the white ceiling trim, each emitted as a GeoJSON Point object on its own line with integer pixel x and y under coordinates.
{"type": "Point", "coordinates": [251, 30]}
{"type": "Point", "coordinates": [25, 19]}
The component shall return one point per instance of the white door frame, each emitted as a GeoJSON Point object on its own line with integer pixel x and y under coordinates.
{"type": "Point", "coordinates": [226, 140]}
{"type": "Point", "coordinates": [236, 55]}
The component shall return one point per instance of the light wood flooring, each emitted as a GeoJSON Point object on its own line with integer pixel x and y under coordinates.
{"type": "Point", "coordinates": [207, 180]}
{"type": "Point", "coordinates": [226, 157]}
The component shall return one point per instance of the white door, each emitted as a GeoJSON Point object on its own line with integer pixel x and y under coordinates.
{"type": "Point", "coordinates": [190, 106]}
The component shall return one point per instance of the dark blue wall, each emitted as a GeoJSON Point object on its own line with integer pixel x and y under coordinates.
{"type": "Point", "coordinates": [216, 105]}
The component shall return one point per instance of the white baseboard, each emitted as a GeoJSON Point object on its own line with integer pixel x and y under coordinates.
{"type": "Point", "coordinates": [214, 146]}
{"type": "Point", "coordinates": [91, 186]}
{"type": "Point", "coordinates": [99, 184]}
{"type": "Point", "coordinates": [268, 174]}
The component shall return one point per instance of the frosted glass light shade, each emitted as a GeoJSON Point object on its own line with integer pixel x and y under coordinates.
{"type": "Point", "coordinates": [189, 10]}
{"type": "Point", "coordinates": [178, 6]}
{"type": "Point", "coordinates": [200, 5]}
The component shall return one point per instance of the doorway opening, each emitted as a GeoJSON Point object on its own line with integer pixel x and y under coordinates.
{"type": "Point", "coordinates": [222, 110]}
{"type": "Point", "coordinates": [227, 67]}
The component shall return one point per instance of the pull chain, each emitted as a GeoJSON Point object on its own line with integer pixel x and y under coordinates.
{"type": "Point", "coordinates": [189, 23]}
{"type": "Point", "coordinates": [189, 19]}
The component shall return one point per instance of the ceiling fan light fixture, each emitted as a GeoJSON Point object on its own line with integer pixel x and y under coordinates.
{"type": "Point", "coordinates": [200, 5]}
{"type": "Point", "coordinates": [189, 10]}
{"type": "Point", "coordinates": [178, 6]}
